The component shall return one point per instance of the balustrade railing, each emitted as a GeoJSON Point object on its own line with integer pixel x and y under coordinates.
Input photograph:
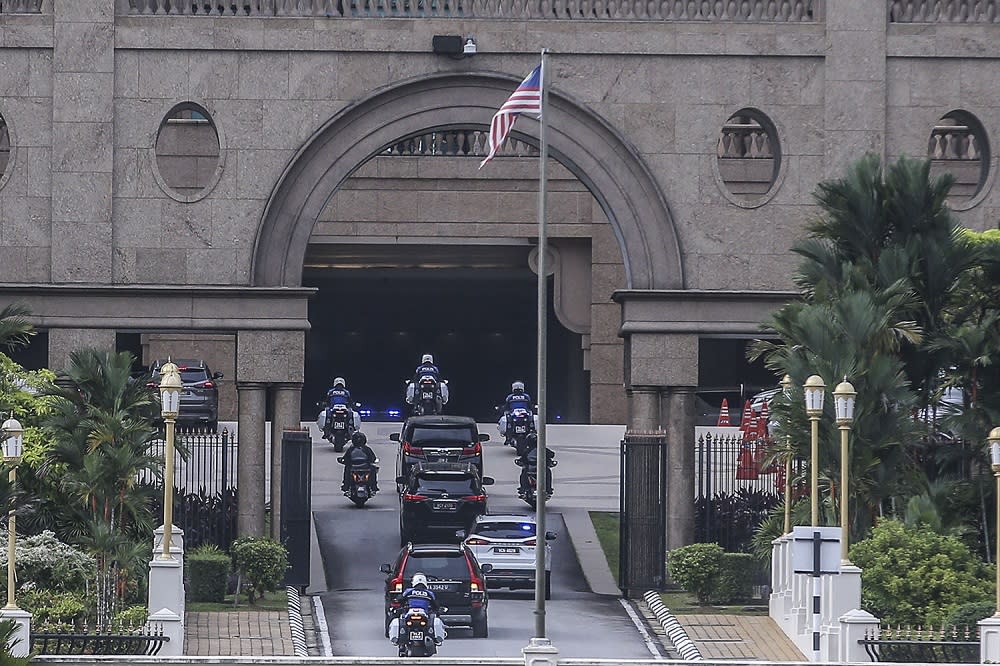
{"type": "Point", "coordinates": [750, 11]}
{"type": "Point", "coordinates": [953, 142]}
{"type": "Point", "coordinates": [744, 141]}
{"type": "Point", "coordinates": [457, 143]}
{"type": "Point", "coordinates": [944, 11]}
{"type": "Point", "coordinates": [25, 6]}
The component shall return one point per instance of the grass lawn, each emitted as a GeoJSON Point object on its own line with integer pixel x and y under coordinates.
{"type": "Point", "coordinates": [678, 601]}
{"type": "Point", "coordinates": [271, 601]}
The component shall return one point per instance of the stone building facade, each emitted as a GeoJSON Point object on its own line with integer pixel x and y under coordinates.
{"type": "Point", "coordinates": [167, 164]}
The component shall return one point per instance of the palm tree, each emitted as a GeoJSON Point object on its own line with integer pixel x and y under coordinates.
{"type": "Point", "coordinates": [15, 330]}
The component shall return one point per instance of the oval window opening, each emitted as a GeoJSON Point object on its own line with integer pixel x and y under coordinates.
{"type": "Point", "coordinates": [748, 155]}
{"type": "Point", "coordinates": [4, 148]}
{"type": "Point", "coordinates": [958, 146]}
{"type": "Point", "coordinates": [187, 150]}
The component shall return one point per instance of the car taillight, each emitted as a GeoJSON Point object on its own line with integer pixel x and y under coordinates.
{"type": "Point", "coordinates": [413, 498]}
{"type": "Point", "coordinates": [529, 542]}
{"type": "Point", "coordinates": [409, 449]}
{"type": "Point", "coordinates": [476, 541]}
{"type": "Point", "coordinates": [208, 385]}
{"type": "Point", "coordinates": [475, 498]}
{"type": "Point", "coordinates": [475, 582]}
{"type": "Point", "coordinates": [473, 450]}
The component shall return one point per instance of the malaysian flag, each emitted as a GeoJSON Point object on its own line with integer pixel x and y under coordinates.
{"type": "Point", "coordinates": [526, 99]}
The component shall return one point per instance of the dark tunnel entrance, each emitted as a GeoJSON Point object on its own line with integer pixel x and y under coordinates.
{"type": "Point", "coordinates": [380, 307]}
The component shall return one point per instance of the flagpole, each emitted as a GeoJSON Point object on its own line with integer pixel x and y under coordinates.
{"type": "Point", "coordinates": [543, 468]}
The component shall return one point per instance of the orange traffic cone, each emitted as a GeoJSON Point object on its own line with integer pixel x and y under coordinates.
{"type": "Point", "coordinates": [745, 419]}
{"type": "Point", "coordinates": [746, 467]}
{"type": "Point", "coordinates": [724, 414]}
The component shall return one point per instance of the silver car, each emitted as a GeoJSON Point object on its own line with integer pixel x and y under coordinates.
{"type": "Point", "coordinates": [508, 543]}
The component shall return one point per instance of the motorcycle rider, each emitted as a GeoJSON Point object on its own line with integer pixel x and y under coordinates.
{"type": "Point", "coordinates": [426, 367]}
{"type": "Point", "coordinates": [418, 596]}
{"type": "Point", "coordinates": [340, 395]}
{"type": "Point", "coordinates": [531, 445]}
{"type": "Point", "coordinates": [359, 453]}
{"type": "Point", "coordinates": [516, 399]}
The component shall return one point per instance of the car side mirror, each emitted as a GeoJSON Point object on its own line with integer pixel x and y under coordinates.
{"type": "Point", "coordinates": [385, 568]}
{"type": "Point", "coordinates": [459, 534]}
{"type": "Point", "coordinates": [550, 536]}
{"type": "Point", "coordinates": [340, 459]}
{"type": "Point", "coordinates": [400, 479]}
{"type": "Point", "coordinates": [487, 568]}
{"type": "Point", "coordinates": [553, 463]}
{"type": "Point", "coordinates": [519, 462]}
{"type": "Point", "coordinates": [217, 375]}
{"type": "Point", "coordinates": [484, 437]}
{"type": "Point", "coordinates": [488, 481]}
{"type": "Point", "coordinates": [394, 436]}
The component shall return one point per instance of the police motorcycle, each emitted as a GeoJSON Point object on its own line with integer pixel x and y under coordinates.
{"type": "Point", "coordinates": [339, 425]}
{"type": "Point", "coordinates": [427, 396]}
{"type": "Point", "coordinates": [362, 476]}
{"type": "Point", "coordinates": [528, 486]}
{"type": "Point", "coordinates": [416, 633]}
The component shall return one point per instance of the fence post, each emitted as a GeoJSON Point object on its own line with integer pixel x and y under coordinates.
{"type": "Point", "coordinates": [854, 626]}
{"type": "Point", "coordinates": [296, 504]}
{"type": "Point", "coordinates": [20, 644]}
{"type": "Point", "coordinates": [989, 640]}
{"type": "Point", "coordinates": [173, 630]}
{"type": "Point", "coordinates": [642, 532]}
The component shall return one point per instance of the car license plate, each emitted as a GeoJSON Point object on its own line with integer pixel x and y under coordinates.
{"type": "Point", "coordinates": [440, 587]}
{"type": "Point", "coordinates": [444, 505]}
{"type": "Point", "coordinates": [416, 635]}
{"type": "Point", "coordinates": [339, 425]}
{"type": "Point", "coordinates": [427, 395]}
{"type": "Point", "coordinates": [509, 550]}
{"type": "Point", "coordinates": [520, 430]}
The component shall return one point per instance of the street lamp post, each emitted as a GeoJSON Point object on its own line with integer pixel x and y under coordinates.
{"type": "Point", "coordinates": [13, 444]}
{"type": "Point", "coordinates": [786, 389]}
{"type": "Point", "coordinates": [994, 440]}
{"type": "Point", "coordinates": [170, 398]}
{"type": "Point", "coordinates": [843, 403]}
{"type": "Point", "coordinates": [814, 391]}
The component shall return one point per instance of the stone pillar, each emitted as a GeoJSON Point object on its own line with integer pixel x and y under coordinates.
{"type": "Point", "coordinates": [989, 640]}
{"type": "Point", "coordinates": [644, 408]}
{"type": "Point", "coordinates": [285, 415]}
{"type": "Point", "coordinates": [20, 643]}
{"type": "Point", "coordinates": [854, 624]}
{"type": "Point", "coordinates": [173, 629]}
{"type": "Point", "coordinates": [679, 419]}
{"type": "Point", "coordinates": [83, 93]}
{"type": "Point", "coordinates": [250, 461]}
{"type": "Point", "coordinates": [855, 83]}
{"type": "Point", "coordinates": [64, 341]}
{"type": "Point", "coordinates": [540, 652]}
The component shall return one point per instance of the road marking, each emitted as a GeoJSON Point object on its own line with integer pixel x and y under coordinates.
{"type": "Point", "coordinates": [650, 645]}
{"type": "Point", "coordinates": [324, 630]}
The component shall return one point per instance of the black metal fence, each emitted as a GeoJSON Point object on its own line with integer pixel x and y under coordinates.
{"type": "Point", "coordinates": [143, 641]}
{"type": "Point", "coordinates": [951, 645]}
{"type": "Point", "coordinates": [737, 483]}
{"type": "Point", "coordinates": [205, 495]}
{"type": "Point", "coordinates": [643, 497]}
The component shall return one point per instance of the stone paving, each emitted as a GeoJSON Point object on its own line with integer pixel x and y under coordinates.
{"type": "Point", "coordinates": [238, 634]}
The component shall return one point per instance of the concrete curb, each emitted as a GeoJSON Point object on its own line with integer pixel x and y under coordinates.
{"type": "Point", "coordinates": [589, 552]}
{"type": "Point", "coordinates": [681, 642]}
{"type": "Point", "coordinates": [295, 623]}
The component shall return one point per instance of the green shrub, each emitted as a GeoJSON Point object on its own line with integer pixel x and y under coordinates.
{"type": "Point", "coordinates": [43, 561]}
{"type": "Point", "coordinates": [968, 615]}
{"type": "Point", "coordinates": [132, 617]}
{"type": "Point", "coordinates": [696, 568]}
{"type": "Point", "coordinates": [262, 563]}
{"type": "Point", "coordinates": [51, 609]}
{"type": "Point", "coordinates": [734, 582]}
{"type": "Point", "coordinates": [208, 573]}
{"type": "Point", "coordinates": [912, 576]}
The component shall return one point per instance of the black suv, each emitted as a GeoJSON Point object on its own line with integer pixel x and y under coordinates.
{"type": "Point", "coordinates": [199, 395]}
{"type": "Point", "coordinates": [453, 574]}
{"type": "Point", "coordinates": [440, 497]}
{"type": "Point", "coordinates": [433, 439]}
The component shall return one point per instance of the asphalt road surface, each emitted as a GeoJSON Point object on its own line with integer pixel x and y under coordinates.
{"type": "Point", "coordinates": [355, 541]}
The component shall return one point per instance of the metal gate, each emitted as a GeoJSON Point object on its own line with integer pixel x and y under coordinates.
{"type": "Point", "coordinates": [643, 499]}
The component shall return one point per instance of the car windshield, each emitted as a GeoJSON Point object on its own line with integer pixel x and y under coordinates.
{"type": "Point", "coordinates": [505, 530]}
{"type": "Point", "coordinates": [450, 485]}
{"type": "Point", "coordinates": [442, 436]}
{"type": "Point", "coordinates": [193, 375]}
{"type": "Point", "coordinates": [437, 566]}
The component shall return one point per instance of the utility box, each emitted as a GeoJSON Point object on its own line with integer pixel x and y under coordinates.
{"type": "Point", "coordinates": [804, 543]}
{"type": "Point", "coordinates": [296, 504]}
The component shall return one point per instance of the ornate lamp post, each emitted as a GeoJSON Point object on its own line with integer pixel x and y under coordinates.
{"type": "Point", "coordinates": [814, 389]}
{"type": "Point", "coordinates": [843, 403]}
{"type": "Point", "coordinates": [994, 440]}
{"type": "Point", "coordinates": [13, 444]}
{"type": "Point", "coordinates": [170, 402]}
{"type": "Point", "coordinates": [786, 389]}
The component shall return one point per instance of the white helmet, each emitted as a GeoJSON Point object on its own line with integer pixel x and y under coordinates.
{"type": "Point", "coordinates": [339, 381]}
{"type": "Point", "coordinates": [418, 579]}
{"type": "Point", "coordinates": [427, 358]}
{"type": "Point", "coordinates": [517, 386]}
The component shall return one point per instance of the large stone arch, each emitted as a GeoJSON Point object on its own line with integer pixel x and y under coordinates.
{"type": "Point", "coordinates": [578, 138]}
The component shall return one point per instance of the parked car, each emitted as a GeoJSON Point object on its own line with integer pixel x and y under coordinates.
{"type": "Point", "coordinates": [508, 542]}
{"type": "Point", "coordinates": [453, 574]}
{"type": "Point", "coordinates": [438, 438]}
{"type": "Point", "coordinates": [200, 393]}
{"type": "Point", "coordinates": [440, 497]}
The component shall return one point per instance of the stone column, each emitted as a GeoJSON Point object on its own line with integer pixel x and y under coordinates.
{"type": "Point", "coordinates": [64, 341]}
{"type": "Point", "coordinates": [643, 408]}
{"type": "Point", "coordinates": [855, 83]}
{"type": "Point", "coordinates": [285, 415]}
{"type": "Point", "coordinates": [250, 461]}
{"type": "Point", "coordinates": [83, 93]}
{"type": "Point", "coordinates": [678, 422]}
